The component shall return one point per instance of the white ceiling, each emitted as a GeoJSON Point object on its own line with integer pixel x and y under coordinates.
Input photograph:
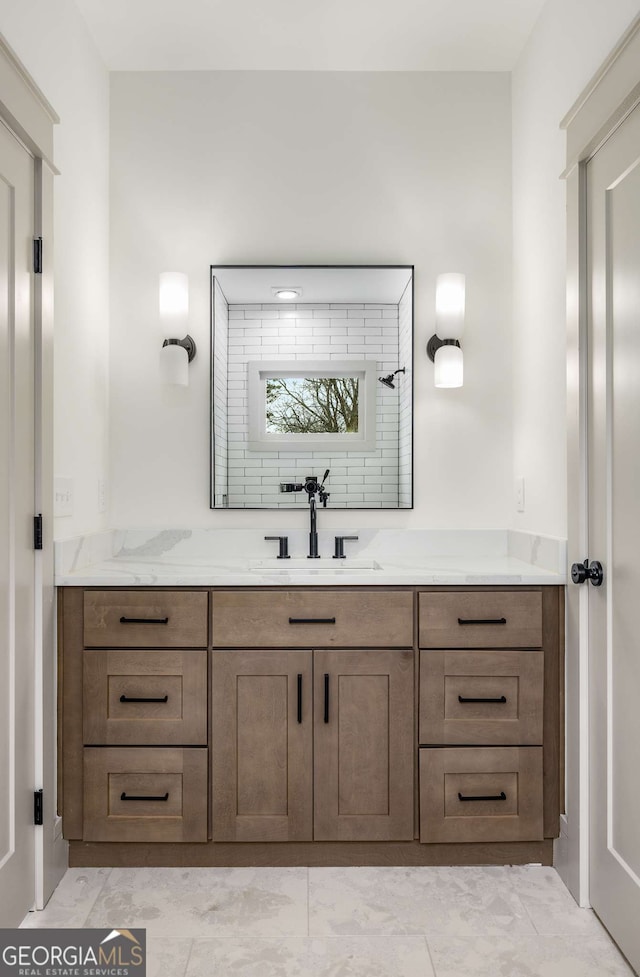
{"type": "Point", "coordinates": [247, 284]}
{"type": "Point", "coordinates": [310, 35]}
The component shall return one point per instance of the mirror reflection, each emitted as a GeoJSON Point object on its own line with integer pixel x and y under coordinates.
{"type": "Point", "coordinates": [311, 370]}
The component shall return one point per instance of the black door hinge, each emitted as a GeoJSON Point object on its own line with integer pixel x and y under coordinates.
{"type": "Point", "coordinates": [37, 532]}
{"type": "Point", "coordinates": [37, 806]}
{"type": "Point", "coordinates": [37, 255]}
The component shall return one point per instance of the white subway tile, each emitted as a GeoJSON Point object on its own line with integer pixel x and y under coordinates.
{"type": "Point", "coordinates": [331, 313]}
{"type": "Point", "coordinates": [261, 314]}
{"type": "Point", "coordinates": [271, 340]}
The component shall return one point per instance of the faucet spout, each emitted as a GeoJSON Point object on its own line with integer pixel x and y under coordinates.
{"type": "Point", "coordinates": [313, 529]}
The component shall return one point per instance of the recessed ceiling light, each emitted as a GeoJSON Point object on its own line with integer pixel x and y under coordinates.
{"type": "Point", "coordinates": [287, 294]}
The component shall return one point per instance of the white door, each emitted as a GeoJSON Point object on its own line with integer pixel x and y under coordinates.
{"type": "Point", "coordinates": [17, 880]}
{"type": "Point", "coordinates": [613, 275]}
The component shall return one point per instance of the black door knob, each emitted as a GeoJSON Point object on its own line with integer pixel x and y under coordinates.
{"type": "Point", "coordinates": [585, 571]}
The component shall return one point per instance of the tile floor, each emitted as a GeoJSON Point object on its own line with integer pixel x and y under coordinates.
{"type": "Point", "coordinates": [343, 922]}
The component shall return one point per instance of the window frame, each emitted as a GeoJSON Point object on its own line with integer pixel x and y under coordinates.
{"type": "Point", "coordinates": [259, 439]}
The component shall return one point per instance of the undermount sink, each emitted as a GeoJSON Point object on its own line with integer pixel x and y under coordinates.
{"type": "Point", "coordinates": [323, 565]}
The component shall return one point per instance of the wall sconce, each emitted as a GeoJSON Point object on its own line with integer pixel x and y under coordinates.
{"type": "Point", "coordinates": [444, 346]}
{"type": "Point", "coordinates": [176, 354]}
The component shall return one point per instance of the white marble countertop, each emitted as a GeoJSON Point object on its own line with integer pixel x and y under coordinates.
{"type": "Point", "coordinates": [241, 558]}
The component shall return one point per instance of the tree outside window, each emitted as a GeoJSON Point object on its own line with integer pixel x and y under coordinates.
{"type": "Point", "coordinates": [312, 405]}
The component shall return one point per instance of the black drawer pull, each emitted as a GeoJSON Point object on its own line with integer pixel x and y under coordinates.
{"type": "Point", "coordinates": [139, 797]}
{"type": "Point", "coordinates": [144, 620]}
{"type": "Point", "coordinates": [464, 698]}
{"type": "Point", "coordinates": [484, 797]}
{"type": "Point", "coordinates": [482, 620]}
{"type": "Point", "coordinates": [131, 698]}
{"type": "Point", "coordinates": [299, 698]}
{"type": "Point", "coordinates": [312, 620]}
{"type": "Point", "coordinates": [326, 697]}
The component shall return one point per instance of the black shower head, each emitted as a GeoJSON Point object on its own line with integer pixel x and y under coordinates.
{"type": "Point", "coordinates": [388, 380]}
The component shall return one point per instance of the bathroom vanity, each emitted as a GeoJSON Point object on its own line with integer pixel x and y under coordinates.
{"type": "Point", "coordinates": [334, 723]}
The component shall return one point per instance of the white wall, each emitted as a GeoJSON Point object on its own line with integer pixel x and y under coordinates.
{"type": "Point", "coordinates": [404, 386]}
{"type": "Point", "coordinates": [283, 167]}
{"type": "Point", "coordinates": [52, 41]}
{"type": "Point", "coordinates": [568, 44]}
{"type": "Point", "coordinates": [220, 395]}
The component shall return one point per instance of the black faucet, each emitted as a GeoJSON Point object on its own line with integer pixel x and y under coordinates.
{"type": "Point", "coordinates": [312, 487]}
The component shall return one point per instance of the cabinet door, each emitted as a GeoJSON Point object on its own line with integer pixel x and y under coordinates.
{"type": "Point", "coordinates": [262, 746]}
{"type": "Point", "coordinates": [363, 751]}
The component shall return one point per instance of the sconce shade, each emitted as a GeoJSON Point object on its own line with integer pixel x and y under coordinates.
{"type": "Point", "coordinates": [174, 365]}
{"type": "Point", "coordinates": [449, 368]}
{"type": "Point", "coordinates": [174, 302]}
{"type": "Point", "coordinates": [450, 302]}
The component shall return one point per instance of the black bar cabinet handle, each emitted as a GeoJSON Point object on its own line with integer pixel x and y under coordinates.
{"type": "Point", "coordinates": [144, 620]}
{"type": "Point", "coordinates": [464, 698]}
{"type": "Point", "coordinates": [326, 697]}
{"type": "Point", "coordinates": [140, 797]}
{"type": "Point", "coordinates": [482, 620]}
{"type": "Point", "coordinates": [312, 620]}
{"type": "Point", "coordinates": [299, 698]}
{"type": "Point", "coordinates": [484, 797]}
{"type": "Point", "coordinates": [131, 698]}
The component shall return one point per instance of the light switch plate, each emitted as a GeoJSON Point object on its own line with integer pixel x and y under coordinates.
{"type": "Point", "coordinates": [62, 497]}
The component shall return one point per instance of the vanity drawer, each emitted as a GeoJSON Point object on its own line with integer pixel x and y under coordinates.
{"type": "Point", "coordinates": [145, 619]}
{"type": "Point", "coordinates": [145, 794]}
{"type": "Point", "coordinates": [487, 619]}
{"type": "Point", "coordinates": [145, 697]}
{"type": "Point", "coordinates": [312, 619]}
{"type": "Point", "coordinates": [481, 794]}
{"type": "Point", "coordinates": [484, 697]}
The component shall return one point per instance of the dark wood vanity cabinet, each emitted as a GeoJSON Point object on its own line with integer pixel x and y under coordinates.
{"type": "Point", "coordinates": [133, 715]}
{"type": "Point", "coordinates": [489, 715]}
{"type": "Point", "coordinates": [312, 745]}
{"type": "Point", "coordinates": [420, 725]}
